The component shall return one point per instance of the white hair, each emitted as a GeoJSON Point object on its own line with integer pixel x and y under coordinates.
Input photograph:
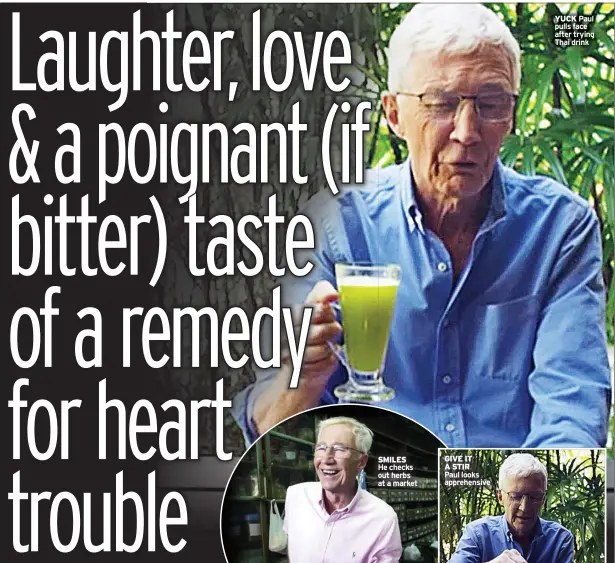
{"type": "Point", "coordinates": [521, 465]}
{"type": "Point", "coordinates": [448, 28]}
{"type": "Point", "coordinates": [363, 436]}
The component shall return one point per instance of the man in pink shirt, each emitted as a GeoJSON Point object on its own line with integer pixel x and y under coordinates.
{"type": "Point", "coordinates": [334, 520]}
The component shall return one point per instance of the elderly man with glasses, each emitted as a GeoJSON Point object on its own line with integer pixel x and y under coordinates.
{"type": "Point", "coordinates": [519, 535]}
{"type": "Point", "coordinates": [498, 334]}
{"type": "Point", "coordinates": [334, 519]}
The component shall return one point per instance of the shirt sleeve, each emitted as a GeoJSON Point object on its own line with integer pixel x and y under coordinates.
{"type": "Point", "coordinates": [566, 553]}
{"type": "Point", "coordinates": [243, 405]}
{"type": "Point", "coordinates": [389, 547]}
{"type": "Point", "coordinates": [570, 382]}
{"type": "Point", "coordinates": [468, 549]}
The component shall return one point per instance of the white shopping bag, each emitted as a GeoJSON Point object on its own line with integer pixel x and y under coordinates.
{"type": "Point", "coordinates": [278, 539]}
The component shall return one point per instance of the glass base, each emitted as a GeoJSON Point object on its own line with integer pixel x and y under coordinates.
{"type": "Point", "coordinates": [377, 393]}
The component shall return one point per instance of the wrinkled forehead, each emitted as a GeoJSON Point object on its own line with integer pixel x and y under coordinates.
{"type": "Point", "coordinates": [532, 483]}
{"type": "Point", "coordinates": [483, 67]}
{"type": "Point", "coordinates": [337, 434]}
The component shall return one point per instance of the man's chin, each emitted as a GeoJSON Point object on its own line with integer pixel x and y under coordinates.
{"type": "Point", "coordinates": [524, 527]}
{"type": "Point", "coordinates": [465, 185]}
{"type": "Point", "coordinates": [461, 186]}
{"type": "Point", "coordinates": [330, 487]}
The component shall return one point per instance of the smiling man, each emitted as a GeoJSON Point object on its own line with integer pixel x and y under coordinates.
{"type": "Point", "coordinates": [498, 335]}
{"type": "Point", "coordinates": [335, 520]}
{"type": "Point", "coordinates": [519, 535]}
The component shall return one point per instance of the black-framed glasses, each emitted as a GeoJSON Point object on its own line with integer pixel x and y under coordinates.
{"type": "Point", "coordinates": [339, 450]}
{"type": "Point", "coordinates": [533, 498]}
{"type": "Point", "coordinates": [489, 106]}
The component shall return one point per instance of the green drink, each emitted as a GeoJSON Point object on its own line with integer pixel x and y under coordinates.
{"type": "Point", "coordinates": [367, 309]}
{"type": "Point", "coordinates": [367, 298]}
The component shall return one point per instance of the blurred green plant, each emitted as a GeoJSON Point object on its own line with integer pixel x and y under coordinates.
{"type": "Point", "coordinates": [564, 120]}
{"type": "Point", "coordinates": [575, 498]}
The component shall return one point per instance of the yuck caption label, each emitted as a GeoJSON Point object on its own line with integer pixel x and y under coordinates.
{"type": "Point", "coordinates": [458, 472]}
{"type": "Point", "coordinates": [395, 471]}
{"type": "Point", "coordinates": [573, 30]}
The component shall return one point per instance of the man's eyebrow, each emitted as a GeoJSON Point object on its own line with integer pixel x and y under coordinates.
{"type": "Point", "coordinates": [435, 88]}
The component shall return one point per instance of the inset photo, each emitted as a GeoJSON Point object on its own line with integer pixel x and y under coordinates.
{"type": "Point", "coordinates": [522, 506]}
{"type": "Point", "coordinates": [342, 483]}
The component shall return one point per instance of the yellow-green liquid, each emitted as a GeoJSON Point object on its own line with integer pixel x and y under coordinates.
{"type": "Point", "coordinates": [367, 308]}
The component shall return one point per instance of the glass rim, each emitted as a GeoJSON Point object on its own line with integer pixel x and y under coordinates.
{"type": "Point", "coordinates": [367, 265]}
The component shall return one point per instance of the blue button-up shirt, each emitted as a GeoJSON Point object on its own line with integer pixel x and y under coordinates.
{"type": "Point", "coordinates": [513, 352]}
{"type": "Point", "coordinates": [484, 539]}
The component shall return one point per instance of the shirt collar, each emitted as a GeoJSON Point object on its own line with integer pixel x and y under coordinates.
{"type": "Point", "coordinates": [408, 197]}
{"type": "Point", "coordinates": [319, 499]}
{"type": "Point", "coordinates": [497, 208]}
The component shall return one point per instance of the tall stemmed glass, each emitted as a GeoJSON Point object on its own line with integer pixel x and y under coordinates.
{"type": "Point", "coordinates": [367, 298]}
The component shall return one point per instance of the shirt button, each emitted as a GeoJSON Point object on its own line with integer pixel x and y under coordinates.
{"type": "Point", "coordinates": [446, 379]}
{"type": "Point", "coordinates": [442, 266]}
{"type": "Point", "coordinates": [450, 427]}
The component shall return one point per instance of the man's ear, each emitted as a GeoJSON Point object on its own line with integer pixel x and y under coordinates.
{"type": "Point", "coordinates": [513, 120]}
{"type": "Point", "coordinates": [363, 462]}
{"type": "Point", "coordinates": [513, 123]}
{"type": "Point", "coordinates": [499, 495]}
{"type": "Point", "coordinates": [391, 111]}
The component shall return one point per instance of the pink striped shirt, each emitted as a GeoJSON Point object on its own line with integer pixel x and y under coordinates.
{"type": "Point", "coordinates": [365, 531]}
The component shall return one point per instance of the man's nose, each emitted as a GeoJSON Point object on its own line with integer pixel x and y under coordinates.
{"type": "Point", "coordinates": [524, 505]}
{"type": "Point", "coordinates": [466, 127]}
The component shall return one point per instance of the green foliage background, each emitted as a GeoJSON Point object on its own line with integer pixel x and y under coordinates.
{"type": "Point", "coordinates": [575, 498]}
